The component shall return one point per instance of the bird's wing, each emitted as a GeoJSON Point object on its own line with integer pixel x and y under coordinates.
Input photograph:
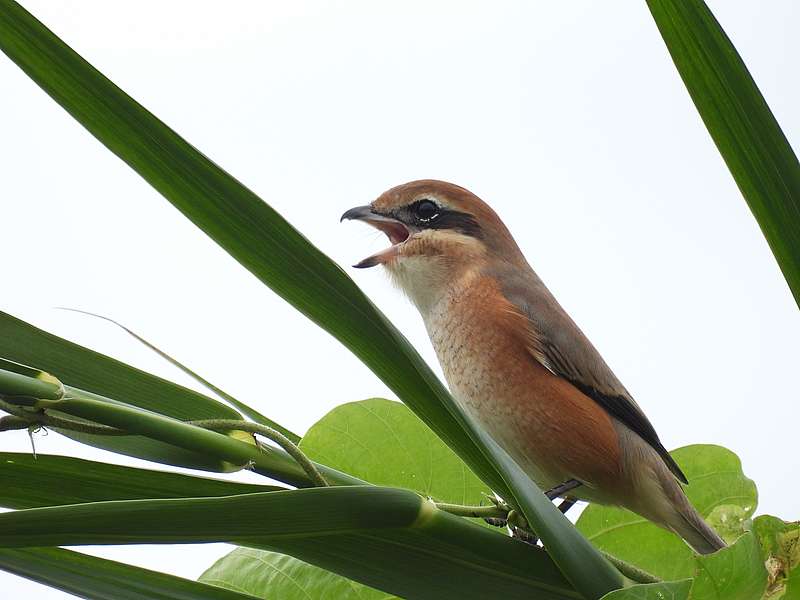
{"type": "Point", "coordinates": [559, 345]}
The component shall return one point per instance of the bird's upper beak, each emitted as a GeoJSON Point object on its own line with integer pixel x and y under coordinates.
{"type": "Point", "coordinates": [395, 230]}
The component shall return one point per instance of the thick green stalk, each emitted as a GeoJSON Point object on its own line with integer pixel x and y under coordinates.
{"type": "Point", "coordinates": [273, 463]}
{"type": "Point", "coordinates": [16, 384]}
{"type": "Point", "coordinates": [388, 538]}
{"type": "Point", "coordinates": [284, 442]}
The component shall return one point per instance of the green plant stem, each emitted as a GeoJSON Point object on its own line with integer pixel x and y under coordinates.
{"type": "Point", "coordinates": [630, 571]}
{"type": "Point", "coordinates": [268, 432]}
{"type": "Point", "coordinates": [23, 418]}
{"type": "Point", "coordinates": [17, 384]}
{"type": "Point", "coordinates": [39, 417]}
{"type": "Point", "coordinates": [12, 423]}
{"type": "Point", "coordinates": [480, 512]}
{"type": "Point", "coordinates": [277, 463]}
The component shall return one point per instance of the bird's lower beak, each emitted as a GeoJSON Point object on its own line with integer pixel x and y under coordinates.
{"type": "Point", "coordinates": [395, 230]}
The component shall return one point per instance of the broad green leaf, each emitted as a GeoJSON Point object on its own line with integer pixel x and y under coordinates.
{"type": "Point", "coordinates": [101, 579]}
{"type": "Point", "coordinates": [52, 480]}
{"type": "Point", "coordinates": [733, 573]}
{"type": "Point", "coordinates": [717, 486]}
{"type": "Point", "coordinates": [668, 590]}
{"type": "Point", "coordinates": [83, 368]}
{"type": "Point", "coordinates": [264, 243]}
{"type": "Point", "coordinates": [740, 122]}
{"type": "Point", "coordinates": [386, 538]}
{"type": "Point", "coordinates": [780, 551]}
{"type": "Point", "coordinates": [267, 574]}
{"type": "Point", "coordinates": [383, 442]}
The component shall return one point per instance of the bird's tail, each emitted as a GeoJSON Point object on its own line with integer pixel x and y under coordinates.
{"type": "Point", "coordinates": [685, 520]}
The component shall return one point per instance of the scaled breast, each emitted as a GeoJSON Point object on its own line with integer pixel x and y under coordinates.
{"type": "Point", "coordinates": [470, 343]}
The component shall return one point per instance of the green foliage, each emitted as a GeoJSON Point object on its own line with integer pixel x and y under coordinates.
{"type": "Point", "coordinates": [383, 442]}
{"type": "Point", "coordinates": [717, 486]}
{"type": "Point", "coordinates": [761, 561]}
{"type": "Point", "coordinates": [267, 574]}
{"type": "Point", "coordinates": [734, 573]}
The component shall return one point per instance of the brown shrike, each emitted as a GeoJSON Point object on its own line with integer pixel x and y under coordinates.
{"type": "Point", "coordinates": [518, 364]}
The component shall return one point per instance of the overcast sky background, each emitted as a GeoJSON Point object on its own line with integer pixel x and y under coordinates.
{"type": "Point", "coordinates": [568, 118]}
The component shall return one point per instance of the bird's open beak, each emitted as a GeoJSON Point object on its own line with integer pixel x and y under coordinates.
{"type": "Point", "coordinates": [396, 231]}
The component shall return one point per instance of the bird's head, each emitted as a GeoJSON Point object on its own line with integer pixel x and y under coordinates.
{"type": "Point", "coordinates": [438, 232]}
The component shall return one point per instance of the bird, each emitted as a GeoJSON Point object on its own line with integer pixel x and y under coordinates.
{"type": "Point", "coordinates": [517, 363]}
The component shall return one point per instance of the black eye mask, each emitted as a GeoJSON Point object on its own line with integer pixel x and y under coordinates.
{"type": "Point", "coordinates": [427, 214]}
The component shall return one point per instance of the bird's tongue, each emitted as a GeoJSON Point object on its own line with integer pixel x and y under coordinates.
{"type": "Point", "coordinates": [395, 231]}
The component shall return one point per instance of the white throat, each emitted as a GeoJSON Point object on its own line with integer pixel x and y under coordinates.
{"type": "Point", "coordinates": [422, 279]}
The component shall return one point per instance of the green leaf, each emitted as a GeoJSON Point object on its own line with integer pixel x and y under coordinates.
{"type": "Point", "coordinates": [717, 486]}
{"type": "Point", "coordinates": [780, 551]}
{"type": "Point", "coordinates": [383, 442]}
{"type": "Point", "coordinates": [740, 122]}
{"type": "Point", "coordinates": [83, 368]}
{"type": "Point", "coordinates": [267, 574]}
{"type": "Point", "coordinates": [733, 573]}
{"type": "Point", "coordinates": [668, 590]}
{"type": "Point", "coordinates": [101, 579]}
{"type": "Point", "coordinates": [386, 538]}
{"type": "Point", "coordinates": [49, 480]}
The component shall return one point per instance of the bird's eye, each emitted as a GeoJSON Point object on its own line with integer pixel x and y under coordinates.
{"type": "Point", "coordinates": [426, 210]}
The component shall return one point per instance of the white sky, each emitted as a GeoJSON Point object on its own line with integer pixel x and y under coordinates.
{"type": "Point", "coordinates": [568, 118]}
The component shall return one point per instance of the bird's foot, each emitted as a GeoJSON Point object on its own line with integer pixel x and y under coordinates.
{"type": "Point", "coordinates": [520, 530]}
{"type": "Point", "coordinates": [499, 503]}
{"type": "Point", "coordinates": [524, 535]}
{"type": "Point", "coordinates": [562, 489]}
